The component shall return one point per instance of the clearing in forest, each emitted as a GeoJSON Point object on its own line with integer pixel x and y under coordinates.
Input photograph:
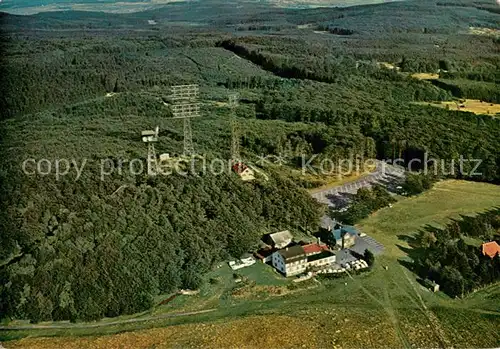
{"type": "Point", "coordinates": [447, 200]}
{"type": "Point", "coordinates": [425, 76]}
{"type": "Point", "coordinates": [468, 105]}
{"type": "Point", "coordinates": [484, 31]}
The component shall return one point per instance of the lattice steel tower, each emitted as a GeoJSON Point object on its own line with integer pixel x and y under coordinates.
{"type": "Point", "coordinates": [186, 106]}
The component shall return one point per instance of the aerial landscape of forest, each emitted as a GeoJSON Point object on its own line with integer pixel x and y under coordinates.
{"type": "Point", "coordinates": [97, 250]}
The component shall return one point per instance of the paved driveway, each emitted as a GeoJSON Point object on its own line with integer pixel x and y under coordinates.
{"type": "Point", "coordinates": [362, 243]}
{"type": "Point", "coordinates": [344, 256]}
{"type": "Point", "coordinates": [367, 242]}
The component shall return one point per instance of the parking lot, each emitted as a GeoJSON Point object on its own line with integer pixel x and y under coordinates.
{"type": "Point", "coordinates": [338, 197]}
{"type": "Point", "coordinates": [344, 256]}
{"type": "Point", "coordinates": [367, 242]}
{"type": "Point", "coordinates": [362, 243]}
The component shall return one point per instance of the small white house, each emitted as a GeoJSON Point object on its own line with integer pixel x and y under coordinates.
{"type": "Point", "coordinates": [245, 173]}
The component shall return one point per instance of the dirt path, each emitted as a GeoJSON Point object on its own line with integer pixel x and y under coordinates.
{"type": "Point", "coordinates": [102, 324]}
{"type": "Point", "coordinates": [389, 309]}
{"type": "Point", "coordinates": [433, 320]}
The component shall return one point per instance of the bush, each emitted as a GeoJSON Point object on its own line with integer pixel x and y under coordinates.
{"type": "Point", "coordinates": [369, 257]}
{"type": "Point", "coordinates": [417, 183]}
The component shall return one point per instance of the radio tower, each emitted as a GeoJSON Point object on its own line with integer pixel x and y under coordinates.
{"type": "Point", "coordinates": [185, 106]}
{"type": "Point", "coordinates": [151, 137]}
{"type": "Point", "coordinates": [235, 131]}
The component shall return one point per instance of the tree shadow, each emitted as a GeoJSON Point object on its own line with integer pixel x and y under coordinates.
{"type": "Point", "coordinates": [407, 264]}
{"type": "Point", "coordinates": [324, 235]}
{"type": "Point", "coordinates": [340, 200]}
{"type": "Point", "coordinates": [410, 239]}
{"type": "Point", "coordinates": [415, 251]}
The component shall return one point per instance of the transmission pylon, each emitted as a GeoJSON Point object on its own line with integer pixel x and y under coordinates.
{"type": "Point", "coordinates": [151, 137]}
{"type": "Point", "coordinates": [235, 131]}
{"type": "Point", "coordinates": [188, 137]}
{"type": "Point", "coordinates": [186, 106]}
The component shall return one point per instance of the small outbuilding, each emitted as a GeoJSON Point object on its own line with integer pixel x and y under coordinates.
{"type": "Point", "coordinates": [280, 240]}
{"type": "Point", "coordinates": [431, 285]}
{"type": "Point", "coordinates": [345, 236]}
{"type": "Point", "coordinates": [245, 173]}
{"type": "Point", "coordinates": [490, 249]}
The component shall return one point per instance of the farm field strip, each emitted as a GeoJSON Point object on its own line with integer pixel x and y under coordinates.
{"type": "Point", "coordinates": [468, 105]}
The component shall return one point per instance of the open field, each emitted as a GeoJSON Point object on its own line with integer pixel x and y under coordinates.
{"type": "Point", "coordinates": [110, 6]}
{"type": "Point", "coordinates": [448, 199]}
{"type": "Point", "coordinates": [388, 308]}
{"type": "Point", "coordinates": [484, 31]}
{"type": "Point", "coordinates": [468, 105]}
{"type": "Point", "coordinates": [388, 66]}
{"type": "Point", "coordinates": [425, 76]}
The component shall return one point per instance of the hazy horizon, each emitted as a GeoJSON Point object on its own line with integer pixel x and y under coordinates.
{"type": "Point", "coordinates": [30, 7]}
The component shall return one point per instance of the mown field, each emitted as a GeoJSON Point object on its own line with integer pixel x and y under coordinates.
{"type": "Point", "coordinates": [468, 105]}
{"type": "Point", "coordinates": [381, 308]}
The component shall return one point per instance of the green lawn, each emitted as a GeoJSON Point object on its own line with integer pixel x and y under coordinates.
{"type": "Point", "coordinates": [448, 199]}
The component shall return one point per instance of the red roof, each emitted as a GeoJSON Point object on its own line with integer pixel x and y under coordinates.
{"type": "Point", "coordinates": [491, 249]}
{"type": "Point", "coordinates": [314, 248]}
{"type": "Point", "coordinates": [239, 167]}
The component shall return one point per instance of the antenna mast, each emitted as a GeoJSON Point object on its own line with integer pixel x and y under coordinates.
{"type": "Point", "coordinates": [235, 131]}
{"type": "Point", "coordinates": [186, 106]}
{"type": "Point", "coordinates": [151, 137]}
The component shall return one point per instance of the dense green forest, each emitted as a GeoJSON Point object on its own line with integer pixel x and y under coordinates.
{"type": "Point", "coordinates": [82, 86]}
{"type": "Point", "coordinates": [108, 252]}
{"type": "Point", "coordinates": [443, 255]}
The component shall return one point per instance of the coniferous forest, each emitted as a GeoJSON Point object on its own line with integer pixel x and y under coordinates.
{"type": "Point", "coordinates": [332, 82]}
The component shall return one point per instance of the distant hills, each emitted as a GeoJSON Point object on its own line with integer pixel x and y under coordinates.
{"type": "Point", "coordinates": [320, 3]}
{"type": "Point", "coordinates": [27, 7]}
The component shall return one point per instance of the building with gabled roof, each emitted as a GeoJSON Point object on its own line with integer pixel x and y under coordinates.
{"type": "Point", "coordinates": [280, 240]}
{"type": "Point", "coordinates": [296, 259]}
{"type": "Point", "coordinates": [265, 254]}
{"type": "Point", "coordinates": [345, 236]}
{"type": "Point", "coordinates": [244, 171]}
{"type": "Point", "coordinates": [290, 260]}
{"type": "Point", "coordinates": [490, 249]}
{"type": "Point", "coordinates": [321, 259]}
{"type": "Point", "coordinates": [314, 248]}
